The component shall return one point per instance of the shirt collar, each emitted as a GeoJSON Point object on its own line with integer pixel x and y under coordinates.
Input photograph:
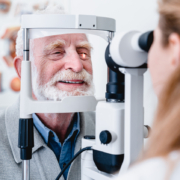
{"type": "Point", "coordinates": [45, 132]}
{"type": "Point", "coordinates": [74, 128]}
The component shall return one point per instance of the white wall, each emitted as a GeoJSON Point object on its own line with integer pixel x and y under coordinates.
{"type": "Point", "coordinates": [7, 97]}
{"type": "Point", "coordinates": [130, 15]}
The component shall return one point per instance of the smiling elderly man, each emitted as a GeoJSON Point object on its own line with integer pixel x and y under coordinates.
{"type": "Point", "coordinates": [61, 66]}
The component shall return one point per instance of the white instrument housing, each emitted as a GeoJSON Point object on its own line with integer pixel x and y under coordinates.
{"type": "Point", "coordinates": [125, 50]}
{"type": "Point", "coordinates": [110, 116]}
{"type": "Point", "coordinates": [54, 24]}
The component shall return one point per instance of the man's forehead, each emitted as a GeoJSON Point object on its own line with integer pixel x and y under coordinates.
{"type": "Point", "coordinates": [65, 37]}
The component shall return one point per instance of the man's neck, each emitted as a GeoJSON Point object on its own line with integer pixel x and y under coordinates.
{"type": "Point", "coordinates": [58, 123]}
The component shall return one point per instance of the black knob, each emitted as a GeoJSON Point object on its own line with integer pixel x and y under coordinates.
{"type": "Point", "coordinates": [105, 137]}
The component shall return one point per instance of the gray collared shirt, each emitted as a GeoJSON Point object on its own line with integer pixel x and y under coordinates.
{"type": "Point", "coordinates": [64, 152]}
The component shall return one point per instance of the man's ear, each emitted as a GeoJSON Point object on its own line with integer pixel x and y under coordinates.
{"type": "Point", "coordinates": [17, 65]}
{"type": "Point", "coordinates": [174, 43]}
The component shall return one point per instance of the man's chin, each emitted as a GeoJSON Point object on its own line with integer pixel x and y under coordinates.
{"type": "Point", "coordinates": [58, 96]}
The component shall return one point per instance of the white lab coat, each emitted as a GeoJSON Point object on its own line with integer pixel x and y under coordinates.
{"type": "Point", "coordinates": [157, 168]}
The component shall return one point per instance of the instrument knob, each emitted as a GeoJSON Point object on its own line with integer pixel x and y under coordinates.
{"type": "Point", "coordinates": [105, 137]}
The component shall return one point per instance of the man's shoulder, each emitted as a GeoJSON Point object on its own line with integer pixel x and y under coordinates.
{"type": "Point", "coordinates": [3, 129]}
{"type": "Point", "coordinates": [2, 119]}
{"type": "Point", "coordinates": [4, 142]}
{"type": "Point", "coordinates": [7, 121]}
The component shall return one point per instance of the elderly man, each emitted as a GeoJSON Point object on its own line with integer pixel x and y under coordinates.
{"type": "Point", "coordinates": [61, 66]}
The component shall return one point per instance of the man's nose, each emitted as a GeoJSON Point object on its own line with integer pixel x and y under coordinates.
{"type": "Point", "coordinates": [74, 62]}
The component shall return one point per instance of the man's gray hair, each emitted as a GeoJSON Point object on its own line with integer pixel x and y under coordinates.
{"type": "Point", "coordinates": [51, 9]}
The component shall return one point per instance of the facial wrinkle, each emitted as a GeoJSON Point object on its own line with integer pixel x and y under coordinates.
{"type": "Point", "coordinates": [53, 45]}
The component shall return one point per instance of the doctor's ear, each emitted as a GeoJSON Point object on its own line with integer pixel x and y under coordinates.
{"type": "Point", "coordinates": [17, 65]}
{"type": "Point", "coordinates": [174, 44]}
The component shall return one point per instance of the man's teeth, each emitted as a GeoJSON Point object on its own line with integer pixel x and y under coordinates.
{"type": "Point", "coordinates": [73, 82]}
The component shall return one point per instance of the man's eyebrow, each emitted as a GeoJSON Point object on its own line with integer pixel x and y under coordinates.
{"type": "Point", "coordinates": [84, 44]}
{"type": "Point", "coordinates": [53, 45]}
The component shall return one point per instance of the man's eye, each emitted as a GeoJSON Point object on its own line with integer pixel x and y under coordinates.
{"type": "Point", "coordinates": [83, 55]}
{"type": "Point", "coordinates": [58, 52]}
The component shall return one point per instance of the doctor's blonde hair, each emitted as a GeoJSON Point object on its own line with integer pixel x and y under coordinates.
{"type": "Point", "coordinates": [165, 136]}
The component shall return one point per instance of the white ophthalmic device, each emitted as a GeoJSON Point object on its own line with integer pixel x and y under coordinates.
{"type": "Point", "coordinates": [120, 126]}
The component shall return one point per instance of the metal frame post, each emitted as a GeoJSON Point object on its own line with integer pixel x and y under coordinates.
{"type": "Point", "coordinates": [25, 121]}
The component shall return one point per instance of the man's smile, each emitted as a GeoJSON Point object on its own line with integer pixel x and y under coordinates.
{"type": "Point", "coordinates": [72, 82]}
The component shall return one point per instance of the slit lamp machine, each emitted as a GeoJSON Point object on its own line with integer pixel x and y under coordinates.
{"type": "Point", "coordinates": [120, 129]}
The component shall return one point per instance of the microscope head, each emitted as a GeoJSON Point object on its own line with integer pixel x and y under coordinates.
{"type": "Point", "coordinates": [128, 49]}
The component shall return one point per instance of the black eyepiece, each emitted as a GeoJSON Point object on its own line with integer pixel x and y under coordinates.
{"type": "Point", "coordinates": [146, 40]}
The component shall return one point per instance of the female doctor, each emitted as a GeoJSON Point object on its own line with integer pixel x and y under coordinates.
{"type": "Point", "coordinates": [161, 159]}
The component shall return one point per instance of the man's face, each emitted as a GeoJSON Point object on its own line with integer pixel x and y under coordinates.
{"type": "Point", "coordinates": [61, 67]}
